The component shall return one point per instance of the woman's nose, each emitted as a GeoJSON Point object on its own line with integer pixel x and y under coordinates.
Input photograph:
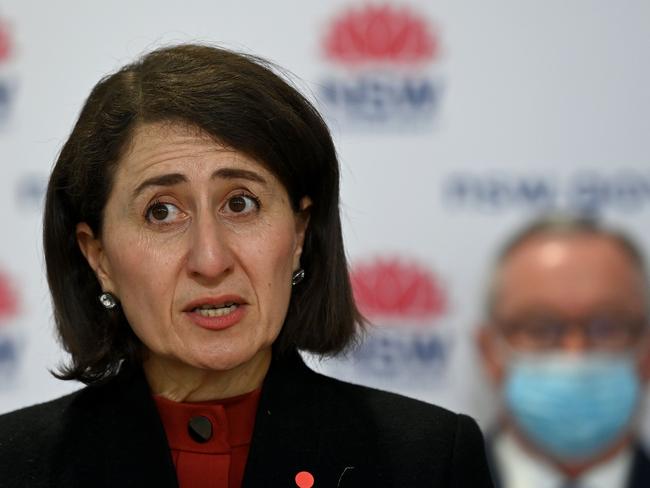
{"type": "Point", "coordinates": [209, 254]}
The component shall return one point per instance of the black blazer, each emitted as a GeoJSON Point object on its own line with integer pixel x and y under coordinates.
{"type": "Point", "coordinates": [346, 436]}
{"type": "Point", "coordinates": [639, 476]}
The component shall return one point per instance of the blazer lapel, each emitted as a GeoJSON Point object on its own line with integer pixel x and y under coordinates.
{"type": "Point", "coordinates": [295, 432]}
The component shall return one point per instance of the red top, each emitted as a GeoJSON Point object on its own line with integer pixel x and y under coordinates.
{"type": "Point", "coordinates": [218, 461]}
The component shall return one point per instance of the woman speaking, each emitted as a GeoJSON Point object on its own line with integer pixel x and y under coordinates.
{"type": "Point", "coordinates": [193, 246]}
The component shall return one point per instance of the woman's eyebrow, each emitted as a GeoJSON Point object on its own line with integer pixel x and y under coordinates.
{"type": "Point", "coordinates": [238, 173]}
{"type": "Point", "coordinates": [161, 180]}
{"type": "Point", "coordinates": [176, 178]}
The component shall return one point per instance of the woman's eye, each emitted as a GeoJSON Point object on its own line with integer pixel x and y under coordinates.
{"type": "Point", "coordinates": [162, 213]}
{"type": "Point", "coordinates": [241, 204]}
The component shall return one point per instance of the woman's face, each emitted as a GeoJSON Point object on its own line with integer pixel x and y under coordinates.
{"type": "Point", "coordinates": [199, 244]}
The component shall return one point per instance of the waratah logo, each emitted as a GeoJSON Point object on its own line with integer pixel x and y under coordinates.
{"type": "Point", "coordinates": [8, 299]}
{"type": "Point", "coordinates": [403, 300]}
{"type": "Point", "coordinates": [5, 41]}
{"type": "Point", "coordinates": [382, 68]}
{"type": "Point", "coordinates": [389, 289]}
{"type": "Point", "coordinates": [7, 82]}
{"type": "Point", "coordinates": [8, 339]}
{"type": "Point", "coordinates": [380, 34]}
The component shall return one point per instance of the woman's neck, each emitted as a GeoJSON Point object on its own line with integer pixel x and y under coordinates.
{"type": "Point", "coordinates": [181, 382]}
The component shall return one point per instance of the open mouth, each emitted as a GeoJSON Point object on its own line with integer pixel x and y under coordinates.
{"type": "Point", "coordinates": [215, 310]}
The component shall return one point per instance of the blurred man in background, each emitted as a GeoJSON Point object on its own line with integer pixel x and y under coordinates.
{"type": "Point", "coordinates": [566, 343]}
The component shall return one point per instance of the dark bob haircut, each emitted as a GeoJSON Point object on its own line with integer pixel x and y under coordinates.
{"type": "Point", "coordinates": [240, 101]}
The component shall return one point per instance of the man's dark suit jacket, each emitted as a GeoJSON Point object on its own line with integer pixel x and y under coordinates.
{"type": "Point", "coordinates": [346, 436]}
{"type": "Point", "coordinates": [639, 476]}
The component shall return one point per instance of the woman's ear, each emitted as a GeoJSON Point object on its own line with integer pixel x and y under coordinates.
{"type": "Point", "coordinates": [302, 222]}
{"type": "Point", "coordinates": [92, 249]}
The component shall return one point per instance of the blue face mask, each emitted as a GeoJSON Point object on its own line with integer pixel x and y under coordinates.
{"type": "Point", "coordinates": [572, 406]}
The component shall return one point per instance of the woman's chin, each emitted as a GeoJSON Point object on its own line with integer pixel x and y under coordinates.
{"type": "Point", "coordinates": [222, 360]}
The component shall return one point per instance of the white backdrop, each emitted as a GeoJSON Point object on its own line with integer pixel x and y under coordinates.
{"type": "Point", "coordinates": [455, 122]}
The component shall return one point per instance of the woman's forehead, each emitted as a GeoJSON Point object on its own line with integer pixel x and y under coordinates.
{"type": "Point", "coordinates": [164, 147]}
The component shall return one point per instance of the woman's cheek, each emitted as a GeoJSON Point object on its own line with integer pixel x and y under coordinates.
{"type": "Point", "coordinates": [134, 258]}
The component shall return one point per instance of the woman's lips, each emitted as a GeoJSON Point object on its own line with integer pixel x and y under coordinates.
{"type": "Point", "coordinates": [217, 322]}
{"type": "Point", "coordinates": [216, 313]}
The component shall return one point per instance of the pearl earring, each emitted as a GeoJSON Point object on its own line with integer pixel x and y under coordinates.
{"type": "Point", "coordinates": [108, 300]}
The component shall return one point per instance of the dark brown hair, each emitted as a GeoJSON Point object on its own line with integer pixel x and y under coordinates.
{"type": "Point", "coordinates": [243, 103]}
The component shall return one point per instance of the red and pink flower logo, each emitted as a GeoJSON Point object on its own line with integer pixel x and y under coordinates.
{"type": "Point", "coordinates": [8, 298]}
{"type": "Point", "coordinates": [392, 288]}
{"type": "Point", "coordinates": [5, 41]}
{"type": "Point", "coordinates": [380, 33]}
